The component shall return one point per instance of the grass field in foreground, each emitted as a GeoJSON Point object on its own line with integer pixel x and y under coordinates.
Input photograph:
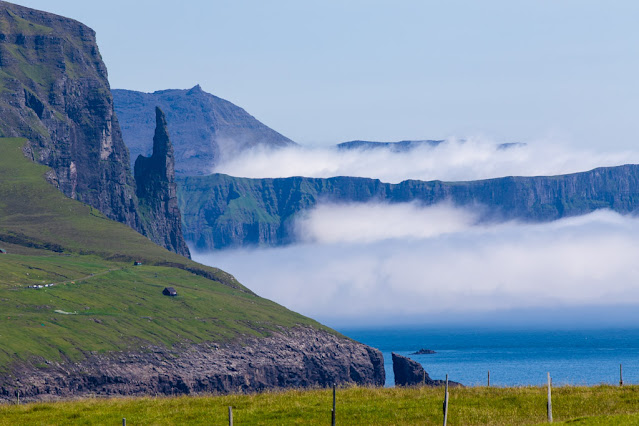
{"type": "Point", "coordinates": [596, 405]}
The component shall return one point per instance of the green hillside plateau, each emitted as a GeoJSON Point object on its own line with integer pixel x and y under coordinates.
{"type": "Point", "coordinates": [100, 301]}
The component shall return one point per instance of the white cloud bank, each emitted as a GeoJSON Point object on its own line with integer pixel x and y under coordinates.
{"type": "Point", "coordinates": [453, 160]}
{"type": "Point", "coordinates": [358, 269]}
{"type": "Point", "coordinates": [370, 222]}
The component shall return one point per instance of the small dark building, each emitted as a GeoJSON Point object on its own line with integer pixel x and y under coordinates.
{"type": "Point", "coordinates": [169, 291]}
{"type": "Point", "coordinates": [136, 263]}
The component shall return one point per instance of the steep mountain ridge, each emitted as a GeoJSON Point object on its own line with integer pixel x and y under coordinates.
{"type": "Point", "coordinates": [54, 91]}
{"type": "Point", "coordinates": [203, 127]}
{"type": "Point", "coordinates": [222, 211]}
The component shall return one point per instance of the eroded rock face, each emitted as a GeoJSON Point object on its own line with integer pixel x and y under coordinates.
{"type": "Point", "coordinates": [156, 190]}
{"type": "Point", "coordinates": [54, 91]}
{"type": "Point", "coordinates": [299, 357]}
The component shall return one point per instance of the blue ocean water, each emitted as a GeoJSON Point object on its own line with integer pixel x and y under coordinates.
{"type": "Point", "coordinates": [514, 357]}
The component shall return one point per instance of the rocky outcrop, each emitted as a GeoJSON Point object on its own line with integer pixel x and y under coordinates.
{"type": "Point", "coordinates": [203, 127]}
{"type": "Point", "coordinates": [222, 211]}
{"type": "Point", "coordinates": [54, 91]}
{"type": "Point", "coordinates": [156, 191]}
{"type": "Point", "coordinates": [423, 351]}
{"type": "Point", "coordinates": [299, 357]}
{"type": "Point", "coordinates": [411, 373]}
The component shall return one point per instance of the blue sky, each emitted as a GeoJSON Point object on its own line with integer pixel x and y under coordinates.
{"type": "Point", "coordinates": [329, 71]}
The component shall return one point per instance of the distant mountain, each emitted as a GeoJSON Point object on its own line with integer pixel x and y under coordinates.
{"type": "Point", "coordinates": [203, 127]}
{"type": "Point", "coordinates": [408, 145]}
{"type": "Point", "coordinates": [222, 211]}
{"type": "Point", "coordinates": [400, 146]}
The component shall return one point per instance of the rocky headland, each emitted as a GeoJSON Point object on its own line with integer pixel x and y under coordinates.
{"type": "Point", "coordinates": [216, 336]}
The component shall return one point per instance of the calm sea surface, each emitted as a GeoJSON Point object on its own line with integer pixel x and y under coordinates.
{"type": "Point", "coordinates": [581, 357]}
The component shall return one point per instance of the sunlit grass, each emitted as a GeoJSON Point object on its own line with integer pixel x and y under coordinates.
{"type": "Point", "coordinates": [355, 406]}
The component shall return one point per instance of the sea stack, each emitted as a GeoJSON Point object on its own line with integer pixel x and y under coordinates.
{"type": "Point", "coordinates": [411, 373]}
{"type": "Point", "coordinates": [157, 193]}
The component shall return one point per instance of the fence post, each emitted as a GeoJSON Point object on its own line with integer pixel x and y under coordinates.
{"type": "Point", "coordinates": [446, 402]}
{"type": "Point", "coordinates": [230, 416]}
{"type": "Point", "coordinates": [549, 400]}
{"type": "Point", "coordinates": [620, 376]}
{"type": "Point", "coordinates": [488, 378]}
{"type": "Point", "coordinates": [18, 396]}
{"type": "Point", "coordinates": [333, 411]}
{"type": "Point", "coordinates": [123, 421]}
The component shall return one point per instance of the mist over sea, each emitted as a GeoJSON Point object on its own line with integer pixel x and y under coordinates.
{"type": "Point", "coordinates": [519, 299]}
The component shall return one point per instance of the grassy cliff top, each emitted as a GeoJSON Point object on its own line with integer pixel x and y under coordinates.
{"type": "Point", "coordinates": [100, 301]}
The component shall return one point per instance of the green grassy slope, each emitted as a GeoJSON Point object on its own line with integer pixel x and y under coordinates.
{"type": "Point", "coordinates": [600, 405]}
{"type": "Point", "coordinates": [100, 301]}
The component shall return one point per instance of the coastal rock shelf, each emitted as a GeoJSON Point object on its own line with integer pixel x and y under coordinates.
{"type": "Point", "coordinates": [299, 357]}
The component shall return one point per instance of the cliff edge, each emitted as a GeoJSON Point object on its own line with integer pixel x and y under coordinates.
{"type": "Point", "coordinates": [54, 92]}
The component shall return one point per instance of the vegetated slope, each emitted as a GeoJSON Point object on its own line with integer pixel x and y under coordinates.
{"type": "Point", "coordinates": [203, 127]}
{"type": "Point", "coordinates": [106, 328]}
{"type": "Point", "coordinates": [54, 91]}
{"type": "Point", "coordinates": [222, 211]}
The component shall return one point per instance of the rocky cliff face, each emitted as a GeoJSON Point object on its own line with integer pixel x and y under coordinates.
{"type": "Point", "coordinates": [222, 211]}
{"type": "Point", "coordinates": [203, 127]}
{"type": "Point", "coordinates": [156, 191]}
{"type": "Point", "coordinates": [299, 357]}
{"type": "Point", "coordinates": [54, 91]}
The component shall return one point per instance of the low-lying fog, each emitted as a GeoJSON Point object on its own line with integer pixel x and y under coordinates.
{"type": "Point", "coordinates": [474, 158]}
{"type": "Point", "coordinates": [380, 264]}
{"type": "Point", "coordinates": [373, 264]}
